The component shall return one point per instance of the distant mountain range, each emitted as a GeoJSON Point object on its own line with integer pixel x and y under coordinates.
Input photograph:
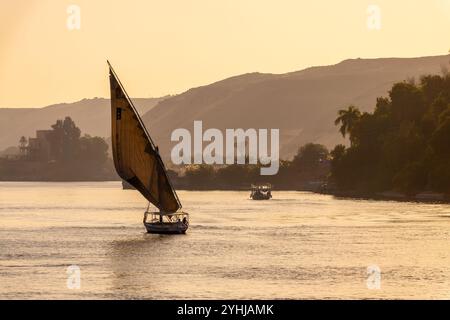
{"type": "Point", "coordinates": [302, 104]}
{"type": "Point", "coordinates": [92, 116]}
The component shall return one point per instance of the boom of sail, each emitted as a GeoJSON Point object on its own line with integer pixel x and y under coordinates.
{"type": "Point", "coordinates": [136, 157]}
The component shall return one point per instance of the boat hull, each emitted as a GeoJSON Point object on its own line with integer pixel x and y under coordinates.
{"type": "Point", "coordinates": [261, 197]}
{"type": "Point", "coordinates": [166, 228]}
{"type": "Point", "coordinates": [261, 192]}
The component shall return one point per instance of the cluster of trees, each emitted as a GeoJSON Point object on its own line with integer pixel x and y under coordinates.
{"type": "Point", "coordinates": [68, 146]}
{"type": "Point", "coordinates": [403, 145]}
{"type": "Point", "coordinates": [63, 155]}
{"type": "Point", "coordinates": [311, 164]}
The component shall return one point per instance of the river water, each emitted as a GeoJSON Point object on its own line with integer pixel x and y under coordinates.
{"type": "Point", "coordinates": [298, 245]}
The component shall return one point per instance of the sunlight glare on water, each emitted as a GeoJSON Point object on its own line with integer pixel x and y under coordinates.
{"type": "Point", "coordinates": [297, 245]}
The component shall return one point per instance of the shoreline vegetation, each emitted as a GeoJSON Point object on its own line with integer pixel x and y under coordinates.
{"type": "Point", "coordinates": [423, 197]}
{"type": "Point", "coordinates": [402, 148]}
{"type": "Point", "coordinates": [400, 151]}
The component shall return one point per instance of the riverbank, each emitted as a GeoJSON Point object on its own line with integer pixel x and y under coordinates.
{"type": "Point", "coordinates": [423, 197]}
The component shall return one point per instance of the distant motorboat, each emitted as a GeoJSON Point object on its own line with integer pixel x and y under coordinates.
{"type": "Point", "coordinates": [261, 192]}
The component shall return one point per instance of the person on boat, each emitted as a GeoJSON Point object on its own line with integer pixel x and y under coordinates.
{"type": "Point", "coordinates": [145, 216]}
{"type": "Point", "coordinates": [184, 220]}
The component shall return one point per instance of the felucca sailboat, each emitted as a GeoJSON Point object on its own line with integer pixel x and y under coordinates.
{"type": "Point", "coordinates": [137, 161]}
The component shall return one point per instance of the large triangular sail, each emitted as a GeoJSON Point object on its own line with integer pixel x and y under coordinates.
{"type": "Point", "coordinates": [136, 157]}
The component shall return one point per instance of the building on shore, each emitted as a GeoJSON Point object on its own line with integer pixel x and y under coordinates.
{"type": "Point", "coordinates": [38, 148]}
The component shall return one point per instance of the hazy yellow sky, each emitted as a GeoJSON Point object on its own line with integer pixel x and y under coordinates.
{"type": "Point", "coordinates": [161, 47]}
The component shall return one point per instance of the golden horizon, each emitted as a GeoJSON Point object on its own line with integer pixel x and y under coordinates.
{"type": "Point", "coordinates": [161, 48]}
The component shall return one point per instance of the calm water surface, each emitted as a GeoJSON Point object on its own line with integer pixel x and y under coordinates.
{"type": "Point", "coordinates": [298, 245]}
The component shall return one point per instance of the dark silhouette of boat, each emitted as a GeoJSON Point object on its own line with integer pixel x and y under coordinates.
{"type": "Point", "coordinates": [261, 192]}
{"type": "Point", "coordinates": [166, 223]}
{"type": "Point", "coordinates": [139, 164]}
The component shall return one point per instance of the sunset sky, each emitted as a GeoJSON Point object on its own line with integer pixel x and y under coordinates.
{"type": "Point", "coordinates": [161, 47]}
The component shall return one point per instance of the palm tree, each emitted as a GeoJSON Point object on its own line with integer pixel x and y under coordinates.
{"type": "Point", "coordinates": [347, 118]}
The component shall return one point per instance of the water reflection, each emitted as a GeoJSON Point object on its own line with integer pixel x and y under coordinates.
{"type": "Point", "coordinates": [138, 263]}
{"type": "Point", "coordinates": [300, 245]}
